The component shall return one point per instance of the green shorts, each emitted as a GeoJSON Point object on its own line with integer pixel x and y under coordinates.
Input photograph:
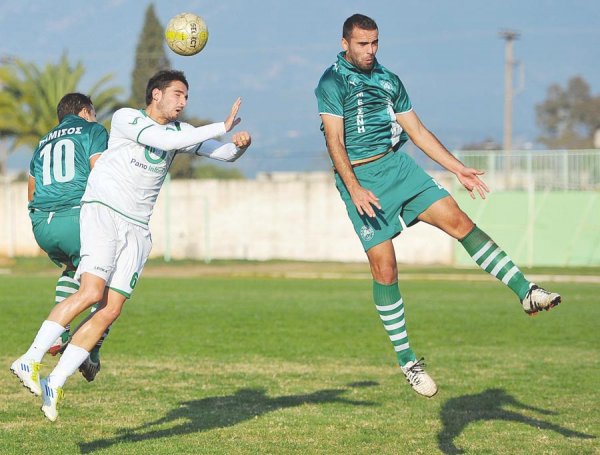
{"type": "Point", "coordinates": [404, 190]}
{"type": "Point", "coordinates": [57, 233]}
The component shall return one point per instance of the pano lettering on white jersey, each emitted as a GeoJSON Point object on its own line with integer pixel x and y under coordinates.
{"type": "Point", "coordinates": [59, 133]}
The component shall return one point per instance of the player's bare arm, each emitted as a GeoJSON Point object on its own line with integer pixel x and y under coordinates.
{"type": "Point", "coordinates": [434, 149]}
{"type": "Point", "coordinates": [363, 199]}
{"type": "Point", "coordinates": [30, 188]}
{"type": "Point", "coordinates": [232, 120]}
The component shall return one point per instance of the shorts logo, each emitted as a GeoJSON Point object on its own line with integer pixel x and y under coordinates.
{"type": "Point", "coordinates": [367, 232]}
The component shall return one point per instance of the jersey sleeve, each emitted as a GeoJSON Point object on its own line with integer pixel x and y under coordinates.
{"type": "Point", "coordinates": [133, 125]}
{"type": "Point", "coordinates": [330, 94]}
{"type": "Point", "coordinates": [32, 164]}
{"type": "Point", "coordinates": [402, 103]}
{"type": "Point", "coordinates": [98, 140]}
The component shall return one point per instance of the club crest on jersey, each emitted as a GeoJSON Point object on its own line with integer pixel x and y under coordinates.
{"type": "Point", "coordinates": [367, 232]}
{"type": "Point", "coordinates": [154, 156]}
{"type": "Point", "coordinates": [387, 85]}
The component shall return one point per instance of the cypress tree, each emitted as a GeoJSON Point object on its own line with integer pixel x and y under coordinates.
{"type": "Point", "coordinates": [150, 57]}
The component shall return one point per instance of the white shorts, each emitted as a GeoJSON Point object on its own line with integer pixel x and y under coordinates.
{"type": "Point", "coordinates": [112, 248]}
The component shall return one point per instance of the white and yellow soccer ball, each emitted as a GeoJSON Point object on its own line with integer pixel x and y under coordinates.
{"type": "Point", "coordinates": [186, 34]}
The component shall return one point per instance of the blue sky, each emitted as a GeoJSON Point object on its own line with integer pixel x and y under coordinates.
{"type": "Point", "coordinates": [272, 53]}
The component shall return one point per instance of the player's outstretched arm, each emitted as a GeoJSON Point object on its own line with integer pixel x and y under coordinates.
{"type": "Point", "coordinates": [232, 120]}
{"type": "Point", "coordinates": [230, 151]}
{"type": "Point", "coordinates": [434, 149]}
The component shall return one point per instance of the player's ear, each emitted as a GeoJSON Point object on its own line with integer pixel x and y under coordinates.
{"type": "Point", "coordinates": [345, 44]}
{"type": "Point", "coordinates": [156, 94]}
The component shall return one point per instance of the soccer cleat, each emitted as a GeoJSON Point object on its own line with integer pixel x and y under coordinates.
{"type": "Point", "coordinates": [89, 369]}
{"type": "Point", "coordinates": [60, 344]}
{"type": "Point", "coordinates": [538, 299]}
{"type": "Point", "coordinates": [51, 397]}
{"type": "Point", "coordinates": [28, 372]}
{"type": "Point", "coordinates": [418, 379]}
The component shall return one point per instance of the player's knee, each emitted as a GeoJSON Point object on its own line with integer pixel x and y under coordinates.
{"type": "Point", "coordinates": [90, 295]}
{"type": "Point", "coordinates": [385, 273]}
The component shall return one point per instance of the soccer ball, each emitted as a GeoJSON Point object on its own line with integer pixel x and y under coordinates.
{"type": "Point", "coordinates": [186, 34]}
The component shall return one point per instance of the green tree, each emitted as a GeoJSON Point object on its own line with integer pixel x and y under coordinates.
{"type": "Point", "coordinates": [150, 57]}
{"type": "Point", "coordinates": [569, 116]}
{"type": "Point", "coordinates": [30, 94]}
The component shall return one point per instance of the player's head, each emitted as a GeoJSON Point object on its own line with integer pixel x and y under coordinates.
{"type": "Point", "coordinates": [76, 104]}
{"type": "Point", "coordinates": [166, 94]}
{"type": "Point", "coordinates": [360, 40]}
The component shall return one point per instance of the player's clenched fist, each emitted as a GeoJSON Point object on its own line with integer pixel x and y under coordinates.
{"type": "Point", "coordinates": [242, 139]}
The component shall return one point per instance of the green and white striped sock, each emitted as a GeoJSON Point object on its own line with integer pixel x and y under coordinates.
{"type": "Point", "coordinates": [390, 307]}
{"type": "Point", "coordinates": [491, 258]}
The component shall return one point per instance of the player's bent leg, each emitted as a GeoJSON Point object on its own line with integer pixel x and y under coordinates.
{"type": "Point", "coordinates": [90, 292]}
{"type": "Point", "coordinates": [446, 215]}
{"type": "Point", "coordinates": [390, 307]}
{"type": "Point", "coordinates": [66, 286]}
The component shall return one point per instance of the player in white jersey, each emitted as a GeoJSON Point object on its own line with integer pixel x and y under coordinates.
{"type": "Point", "coordinates": [116, 208]}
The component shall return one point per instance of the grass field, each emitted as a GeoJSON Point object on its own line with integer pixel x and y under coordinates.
{"type": "Point", "coordinates": [271, 365]}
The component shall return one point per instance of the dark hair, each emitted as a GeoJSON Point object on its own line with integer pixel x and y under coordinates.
{"type": "Point", "coordinates": [162, 80]}
{"type": "Point", "coordinates": [358, 21]}
{"type": "Point", "coordinates": [73, 103]}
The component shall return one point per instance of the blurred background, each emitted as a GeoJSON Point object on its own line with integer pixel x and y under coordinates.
{"type": "Point", "coordinates": [510, 87]}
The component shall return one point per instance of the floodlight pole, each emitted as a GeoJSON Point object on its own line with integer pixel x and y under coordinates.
{"type": "Point", "coordinates": [509, 36]}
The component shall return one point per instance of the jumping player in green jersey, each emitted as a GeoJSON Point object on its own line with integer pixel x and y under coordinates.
{"type": "Point", "coordinates": [58, 175]}
{"type": "Point", "coordinates": [366, 117]}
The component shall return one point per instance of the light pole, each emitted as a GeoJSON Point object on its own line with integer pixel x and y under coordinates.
{"type": "Point", "coordinates": [509, 37]}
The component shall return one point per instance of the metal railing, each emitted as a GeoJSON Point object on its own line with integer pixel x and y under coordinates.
{"type": "Point", "coordinates": [566, 170]}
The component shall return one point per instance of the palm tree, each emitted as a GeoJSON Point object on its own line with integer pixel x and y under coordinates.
{"type": "Point", "coordinates": [30, 94]}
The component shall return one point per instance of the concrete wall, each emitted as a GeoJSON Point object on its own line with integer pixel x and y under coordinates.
{"type": "Point", "coordinates": [278, 216]}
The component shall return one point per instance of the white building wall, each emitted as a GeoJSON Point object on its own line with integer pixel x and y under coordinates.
{"type": "Point", "coordinates": [276, 216]}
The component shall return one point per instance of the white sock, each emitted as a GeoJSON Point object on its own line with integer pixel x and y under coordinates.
{"type": "Point", "coordinates": [70, 360]}
{"type": "Point", "coordinates": [48, 333]}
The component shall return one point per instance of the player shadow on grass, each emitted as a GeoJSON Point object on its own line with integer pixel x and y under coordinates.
{"type": "Point", "coordinates": [220, 412]}
{"type": "Point", "coordinates": [489, 405]}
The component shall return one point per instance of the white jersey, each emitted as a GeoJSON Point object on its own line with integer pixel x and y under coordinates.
{"type": "Point", "coordinates": [128, 176]}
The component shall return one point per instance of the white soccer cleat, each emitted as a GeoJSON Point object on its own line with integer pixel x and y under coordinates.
{"type": "Point", "coordinates": [51, 397]}
{"type": "Point", "coordinates": [418, 379]}
{"type": "Point", "coordinates": [538, 299]}
{"type": "Point", "coordinates": [28, 372]}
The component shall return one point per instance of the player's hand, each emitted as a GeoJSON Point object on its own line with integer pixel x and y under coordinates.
{"type": "Point", "coordinates": [469, 178]}
{"type": "Point", "coordinates": [365, 200]}
{"type": "Point", "coordinates": [233, 119]}
{"type": "Point", "coordinates": [241, 140]}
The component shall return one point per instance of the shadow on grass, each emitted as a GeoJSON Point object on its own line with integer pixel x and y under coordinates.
{"type": "Point", "coordinates": [459, 412]}
{"type": "Point", "coordinates": [220, 412]}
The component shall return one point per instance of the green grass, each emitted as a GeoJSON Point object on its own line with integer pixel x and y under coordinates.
{"type": "Point", "coordinates": [265, 365]}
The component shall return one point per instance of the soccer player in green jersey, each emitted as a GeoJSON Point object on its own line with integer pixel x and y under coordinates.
{"type": "Point", "coordinates": [366, 117]}
{"type": "Point", "coordinates": [58, 173]}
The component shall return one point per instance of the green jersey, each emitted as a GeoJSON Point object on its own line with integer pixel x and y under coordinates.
{"type": "Point", "coordinates": [368, 103]}
{"type": "Point", "coordinates": [61, 163]}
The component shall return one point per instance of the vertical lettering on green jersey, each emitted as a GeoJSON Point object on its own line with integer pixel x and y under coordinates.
{"type": "Point", "coordinates": [58, 162]}
{"type": "Point", "coordinates": [360, 119]}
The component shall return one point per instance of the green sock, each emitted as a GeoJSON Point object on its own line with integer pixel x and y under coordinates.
{"type": "Point", "coordinates": [390, 307]}
{"type": "Point", "coordinates": [66, 285]}
{"type": "Point", "coordinates": [491, 258]}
